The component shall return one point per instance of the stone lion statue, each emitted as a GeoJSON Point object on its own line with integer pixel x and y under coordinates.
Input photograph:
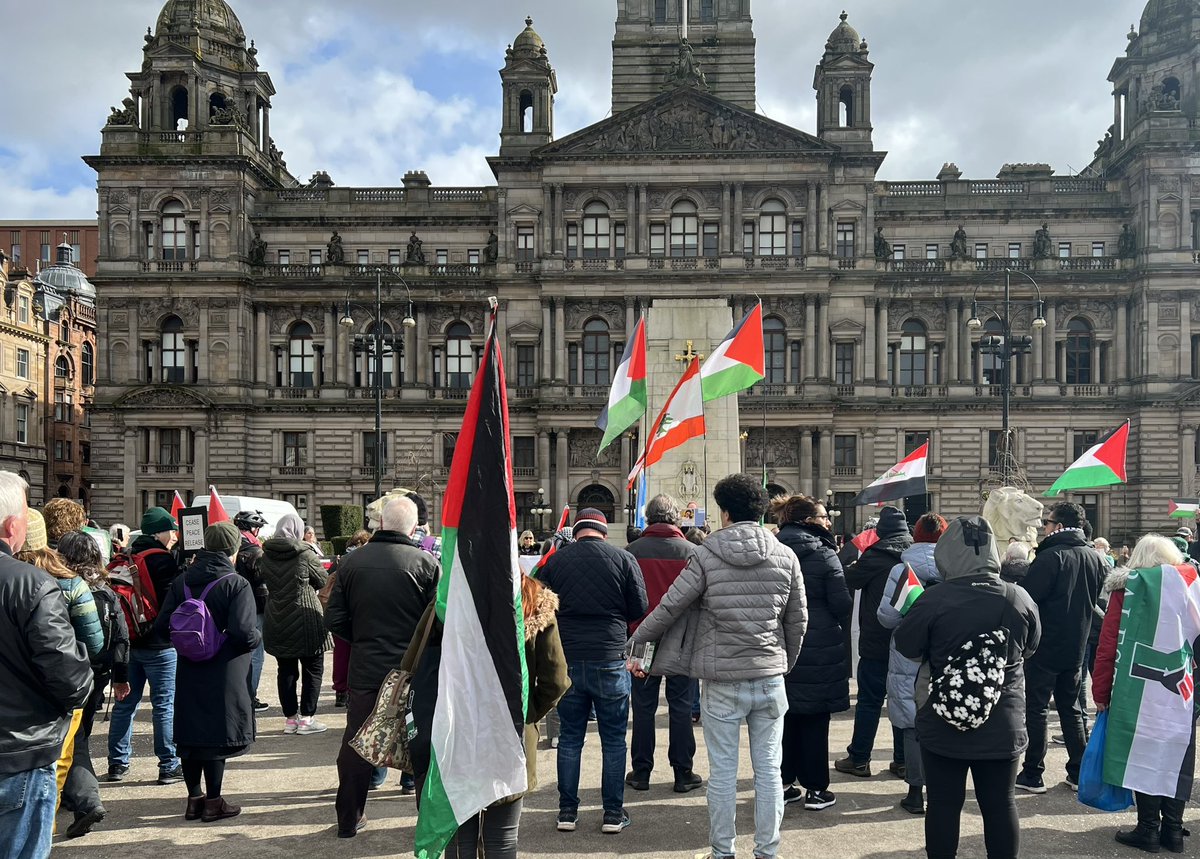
{"type": "Point", "coordinates": [1013, 514]}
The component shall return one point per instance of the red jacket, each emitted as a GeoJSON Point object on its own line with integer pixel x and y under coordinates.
{"type": "Point", "coordinates": [1106, 650]}
{"type": "Point", "coordinates": [662, 552]}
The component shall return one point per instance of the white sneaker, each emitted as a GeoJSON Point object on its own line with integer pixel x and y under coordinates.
{"type": "Point", "coordinates": [311, 726]}
{"type": "Point", "coordinates": [290, 726]}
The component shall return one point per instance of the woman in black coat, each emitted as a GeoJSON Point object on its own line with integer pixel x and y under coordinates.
{"type": "Point", "coordinates": [214, 710]}
{"type": "Point", "coordinates": [818, 685]}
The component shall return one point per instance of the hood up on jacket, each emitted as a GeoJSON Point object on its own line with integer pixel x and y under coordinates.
{"type": "Point", "coordinates": [743, 544]}
{"type": "Point", "coordinates": [543, 615]}
{"type": "Point", "coordinates": [967, 548]}
{"type": "Point", "coordinates": [920, 556]}
{"type": "Point", "coordinates": [285, 548]}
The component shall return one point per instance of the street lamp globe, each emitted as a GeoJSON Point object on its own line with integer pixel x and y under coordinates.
{"type": "Point", "coordinates": [408, 321]}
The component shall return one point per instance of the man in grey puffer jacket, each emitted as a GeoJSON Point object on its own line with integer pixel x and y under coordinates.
{"type": "Point", "coordinates": [735, 618]}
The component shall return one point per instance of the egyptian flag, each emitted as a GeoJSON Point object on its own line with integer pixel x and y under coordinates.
{"type": "Point", "coordinates": [739, 362]}
{"type": "Point", "coordinates": [627, 397]}
{"type": "Point", "coordinates": [907, 590]}
{"type": "Point", "coordinates": [682, 418]}
{"type": "Point", "coordinates": [1150, 745]}
{"type": "Point", "coordinates": [477, 740]}
{"type": "Point", "coordinates": [562, 523]}
{"type": "Point", "coordinates": [906, 477]}
{"type": "Point", "coordinates": [1184, 508]}
{"type": "Point", "coordinates": [1102, 465]}
{"type": "Point", "coordinates": [216, 510]}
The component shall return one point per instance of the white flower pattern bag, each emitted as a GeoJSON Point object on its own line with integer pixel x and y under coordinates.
{"type": "Point", "coordinates": [970, 686]}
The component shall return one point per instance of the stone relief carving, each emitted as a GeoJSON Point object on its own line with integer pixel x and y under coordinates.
{"type": "Point", "coordinates": [218, 199]}
{"type": "Point", "coordinates": [582, 446]}
{"type": "Point", "coordinates": [1099, 313]}
{"type": "Point", "coordinates": [282, 318]}
{"type": "Point", "coordinates": [578, 312]}
{"type": "Point", "coordinates": [791, 310]}
{"type": "Point", "coordinates": [783, 448]}
{"type": "Point", "coordinates": [117, 199]}
{"type": "Point", "coordinates": [147, 199]}
{"type": "Point", "coordinates": [162, 398]}
{"type": "Point", "coordinates": [118, 320]}
{"type": "Point", "coordinates": [1168, 311]}
{"type": "Point", "coordinates": [932, 313]}
{"type": "Point", "coordinates": [442, 315]}
{"type": "Point", "coordinates": [150, 311]}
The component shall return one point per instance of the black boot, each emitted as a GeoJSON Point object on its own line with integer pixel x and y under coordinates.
{"type": "Point", "coordinates": [1171, 834]}
{"type": "Point", "coordinates": [1145, 836]}
{"type": "Point", "coordinates": [914, 803]}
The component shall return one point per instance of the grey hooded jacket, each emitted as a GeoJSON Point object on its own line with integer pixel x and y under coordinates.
{"type": "Point", "coordinates": [902, 671]}
{"type": "Point", "coordinates": [736, 612]}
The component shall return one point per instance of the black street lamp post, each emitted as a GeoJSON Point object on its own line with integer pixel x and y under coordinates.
{"type": "Point", "coordinates": [541, 510]}
{"type": "Point", "coordinates": [1005, 346]}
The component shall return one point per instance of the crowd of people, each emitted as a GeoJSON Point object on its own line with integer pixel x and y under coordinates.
{"type": "Point", "coordinates": [965, 640]}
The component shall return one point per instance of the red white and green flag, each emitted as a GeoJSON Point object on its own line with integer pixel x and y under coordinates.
{"type": "Point", "coordinates": [681, 419]}
{"type": "Point", "coordinates": [477, 745]}
{"type": "Point", "coordinates": [739, 361]}
{"type": "Point", "coordinates": [908, 589]}
{"type": "Point", "coordinates": [1103, 464]}
{"type": "Point", "coordinates": [1150, 739]}
{"type": "Point", "coordinates": [1184, 508]}
{"type": "Point", "coordinates": [906, 477]}
{"type": "Point", "coordinates": [627, 397]}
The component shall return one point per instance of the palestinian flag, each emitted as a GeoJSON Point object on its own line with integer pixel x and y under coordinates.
{"type": "Point", "coordinates": [627, 397]}
{"type": "Point", "coordinates": [906, 477]}
{"type": "Point", "coordinates": [1102, 465]}
{"type": "Point", "coordinates": [562, 523]}
{"type": "Point", "coordinates": [739, 362]}
{"type": "Point", "coordinates": [907, 590]}
{"type": "Point", "coordinates": [477, 740]}
{"type": "Point", "coordinates": [216, 510]}
{"type": "Point", "coordinates": [682, 418]}
{"type": "Point", "coordinates": [1150, 746]}
{"type": "Point", "coordinates": [1184, 508]}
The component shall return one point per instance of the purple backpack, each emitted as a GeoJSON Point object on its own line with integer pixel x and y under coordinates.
{"type": "Point", "coordinates": [194, 633]}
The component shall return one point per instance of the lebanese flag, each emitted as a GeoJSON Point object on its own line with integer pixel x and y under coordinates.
{"type": "Point", "coordinates": [907, 590]}
{"type": "Point", "coordinates": [562, 523]}
{"type": "Point", "coordinates": [216, 510]}
{"type": "Point", "coordinates": [627, 397]}
{"type": "Point", "coordinates": [906, 477]}
{"type": "Point", "coordinates": [739, 362]}
{"type": "Point", "coordinates": [1184, 508]}
{"type": "Point", "coordinates": [682, 418]}
{"type": "Point", "coordinates": [1102, 465]}
{"type": "Point", "coordinates": [1150, 740]}
{"type": "Point", "coordinates": [477, 740]}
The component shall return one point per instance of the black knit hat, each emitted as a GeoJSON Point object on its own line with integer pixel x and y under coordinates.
{"type": "Point", "coordinates": [891, 523]}
{"type": "Point", "coordinates": [592, 518]}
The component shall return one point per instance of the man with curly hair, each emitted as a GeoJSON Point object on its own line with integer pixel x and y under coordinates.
{"type": "Point", "coordinates": [62, 516]}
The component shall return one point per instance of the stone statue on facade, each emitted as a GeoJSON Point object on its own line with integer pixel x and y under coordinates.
{"type": "Point", "coordinates": [413, 253]}
{"type": "Point", "coordinates": [492, 252]}
{"type": "Point", "coordinates": [1127, 243]}
{"type": "Point", "coordinates": [1042, 243]}
{"type": "Point", "coordinates": [958, 245]}
{"type": "Point", "coordinates": [258, 250]}
{"type": "Point", "coordinates": [686, 71]}
{"type": "Point", "coordinates": [883, 248]}
{"type": "Point", "coordinates": [227, 115]}
{"type": "Point", "coordinates": [334, 252]}
{"type": "Point", "coordinates": [127, 114]}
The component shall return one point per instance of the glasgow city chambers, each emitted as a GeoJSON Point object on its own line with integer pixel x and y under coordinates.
{"type": "Point", "coordinates": [251, 322]}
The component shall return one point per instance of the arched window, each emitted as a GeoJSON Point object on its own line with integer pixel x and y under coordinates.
{"type": "Point", "coordinates": [1170, 91]}
{"type": "Point", "coordinates": [302, 357]}
{"type": "Point", "coordinates": [846, 107]}
{"type": "Point", "coordinates": [596, 237]}
{"type": "Point", "coordinates": [913, 343]}
{"type": "Point", "coordinates": [87, 363]}
{"type": "Point", "coordinates": [775, 350]}
{"type": "Point", "coordinates": [365, 361]}
{"type": "Point", "coordinates": [174, 231]}
{"type": "Point", "coordinates": [597, 353]}
{"type": "Point", "coordinates": [1079, 352]}
{"type": "Point", "coordinates": [772, 229]}
{"type": "Point", "coordinates": [179, 108]}
{"type": "Point", "coordinates": [685, 230]}
{"type": "Point", "coordinates": [458, 356]}
{"type": "Point", "coordinates": [174, 351]}
{"type": "Point", "coordinates": [989, 358]}
{"type": "Point", "coordinates": [599, 498]}
{"type": "Point", "coordinates": [62, 367]}
{"type": "Point", "coordinates": [526, 108]}
{"type": "Point", "coordinates": [216, 102]}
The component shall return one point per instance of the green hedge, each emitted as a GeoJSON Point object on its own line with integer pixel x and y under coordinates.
{"type": "Point", "coordinates": [341, 520]}
{"type": "Point", "coordinates": [339, 545]}
{"type": "Point", "coordinates": [327, 548]}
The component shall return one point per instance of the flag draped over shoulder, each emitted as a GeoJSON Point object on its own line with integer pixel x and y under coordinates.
{"type": "Point", "coordinates": [739, 361]}
{"type": "Point", "coordinates": [1150, 742]}
{"type": "Point", "coordinates": [681, 418]}
{"type": "Point", "coordinates": [627, 397]}
{"type": "Point", "coordinates": [478, 752]}
{"type": "Point", "coordinates": [1103, 464]}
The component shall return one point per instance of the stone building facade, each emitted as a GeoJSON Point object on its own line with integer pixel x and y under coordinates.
{"type": "Point", "coordinates": [224, 280]}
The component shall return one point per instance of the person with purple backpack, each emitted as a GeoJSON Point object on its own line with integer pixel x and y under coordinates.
{"type": "Point", "coordinates": [210, 617]}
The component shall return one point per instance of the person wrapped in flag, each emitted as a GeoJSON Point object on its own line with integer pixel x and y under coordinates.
{"type": "Point", "coordinates": [1148, 687]}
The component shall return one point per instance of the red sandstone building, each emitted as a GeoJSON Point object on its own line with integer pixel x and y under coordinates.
{"type": "Point", "coordinates": [32, 244]}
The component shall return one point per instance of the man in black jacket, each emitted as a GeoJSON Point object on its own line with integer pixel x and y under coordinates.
{"type": "Point", "coordinates": [1065, 580]}
{"type": "Point", "coordinates": [382, 589]}
{"type": "Point", "coordinates": [869, 574]}
{"type": "Point", "coordinates": [45, 676]}
{"type": "Point", "coordinates": [600, 592]}
{"type": "Point", "coordinates": [249, 555]}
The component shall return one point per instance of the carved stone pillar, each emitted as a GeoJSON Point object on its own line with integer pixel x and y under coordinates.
{"type": "Point", "coordinates": [130, 487]}
{"type": "Point", "coordinates": [200, 463]}
{"type": "Point", "coordinates": [547, 221]}
{"type": "Point", "coordinates": [261, 346]}
{"type": "Point", "coordinates": [881, 342]}
{"type": "Point", "coordinates": [1187, 459]}
{"type": "Point", "coordinates": [1095, 379]}
{"type": "Point", "coordinates": [726, 218]}
{"type": "Point", "coordinates": [332, 357]}
{"type": "Point", "coordinates": [825, 463]}
{"type": "Point", "coordinates": [202, 364]}
{"type": "Point", "coordinates": [1121, 369]}
{"type": "Point", "coordinates": [135, 345]}
{"type": "Point", "coordinates": [810, 224]}
{"type": "Point", "coordinates": [643, 222]}
{"type": "Point", "coordinates": [562, 470]}
{"type": "Point", "coordinates": [560, 340]}
{"type": "Point", "coordinates": [738, 208]}
{"type": "Point", "coordinates": [806, 462]}
{"type": "Point", "coordinates": [1150, 349]}
{"type": "Point", "coordinates": [543, 464]}
{"type": "Point", "coordinates": [1185, 336]}
{"type": "Point", "coordinates": [560, 221]}
{"type": "Point", "coordinates": [1049, 344]}
{"type": "Point", "coordinates": [822, 343]}
{"type": "Point", "coordinates": [950, 361]}
{"type": "Point", "coordinates": [547, 344]}
{"type": "Point", "coordinates": [868, 457]}
{"type": "Point", "coordinates": [810, 338]}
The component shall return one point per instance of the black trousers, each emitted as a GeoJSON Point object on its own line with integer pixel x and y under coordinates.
{"type": "Point", "coordinates": [1040, 684]}
{"type": "Point", "coordinates": [81, 791]}
{"type": "Point", "coordinates": [354, 774]}
{"type": "Point", "coordinates": [212, 771]}
{"type": "Point", "coordinates": [681, 748]}
{"type": "Point", "coordinates": [946, 787]}
{"type": "Point", "coordinates": [307, 671]}
{"type": "Point", "coordinates": [498, 834]}
{"type": "Point", "coordinates": [806, 750]}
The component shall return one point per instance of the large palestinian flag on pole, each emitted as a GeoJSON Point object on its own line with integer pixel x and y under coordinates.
{"type": "Point", "coordinates": [682, 418]}
{"type": "Point", "coordinates": [1150, 744]}
{"type": "Point", "coordinates": [906, 477]}
{"type": "Point", "coordinates": [627, 397]}
{"type": "Point", "coordinates": [478, 751]}
{"type": "Point", "coordinates": [739, 361]}
{"type": "Point", "coordinates": [1103, 464]}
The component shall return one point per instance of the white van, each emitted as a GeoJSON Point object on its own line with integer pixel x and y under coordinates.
{"type": "Point", "coordinates": [270, 509]}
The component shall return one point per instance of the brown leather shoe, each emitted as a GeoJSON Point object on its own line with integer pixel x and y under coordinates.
{"type": "Point", "coordinates": [219, 809]}
{"type": "Point", "coordinates": [195, 808]}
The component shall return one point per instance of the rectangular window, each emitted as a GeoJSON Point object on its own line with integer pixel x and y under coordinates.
{"type": "Point", "coordinates": [295, 449]}
{"type": "Point", "coordinates": [994, 448]}
{"type": "Point", "coordinates": [1097, 249]}
{"type": "Point", "coordinates": [285, 257]}
{"type": "Point", "coordinates": [525, 243]}
{"type": "Point", "coordinates": [845, 239]}
{"type": "Point", "coordinates": [845, 451]}
{"type": "Point", "coordinates": [981, 250]}
{"type": "Point", "coordinates": [442, 256]}
{"type": "Point", "coordinates": [1091, 508]}
{"type": "Point", "coordinates": [315, 256]}
{"type": "Point", "coordinates": [299, 500]}
{"type": "Point", "coordinates": [62, 450]}
{"type": "Point", "coordinates": [572, 241]}
{"type": "Point", "coordinates": [394, 257]}
{"type": "Point", "coordinates": [898, 252]}
{"type": "Point", "coordinates": [449, 443]}
{"type": "Point", "coordinates": [707, 11]}
{"type": "Point", "coordinates": [1064, 250]}
{"type": "Point", "coordinates": [1081, 441]}
{"type": "Point", "coordinates": [76, 253]}
{"type": "Point", "coordinates": [931, 251]}
{"type": "Point", "coordinates": [45, 247]}
{"type": "Point", "coordinates": [619, 240]}
{"type": "Point", "coordinates": [524, 451]}
{"type": "Point", "coordinates": [712, 240]}
{"type": "Point", "coordinates": [797, 350]}
{"type": "Point", "coordinates": [913, 440]}
{"type": "Point", "coordinates": [14, 244]}
{"type": "Point", "coordinates": [1014, 250]}
{"type": "Point", "coordinates": [526, 365]}
{"type": "Point", "coordinates": [748, 238]}
{"type": "Point", "coordinates": [22, 363]}
{"type": "Point", "coordinates": [63, 407]}
{"type": "Point", "coordinates": [22, 423]}
{"type": "Point", "coordinates": [364, 257]}
{"type": "Point", "coordinates": [23, 310]}
{"type": "Point", "coordinates": [843, 363]}
{"type": "Point", "coordinates": [369, 453]}
{"type": "Point", "coordinates": [473, 256]}
{"type": "Point", "coordinates": [170, 446]}
{"type": "Point", "coordinates": [85, 453]}
{"type": "Point", "coordinates": [658, 240]}
{"type": "Point", "coordinates": [797, 238]}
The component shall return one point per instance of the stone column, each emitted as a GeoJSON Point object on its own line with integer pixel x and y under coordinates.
{"type": "Point", "coordinates": [502, 334]}
{"type": "Point", "coordinates": [1186, 227]}
{"type": "Point", "coordinates": [1187, 459]}
{"type": "Point", "coordinates": [810, 338]}
{"type": "Point", "coordinates": [332, 356]}
{"type": "Point", "coordinates": [822, 219]}
{"type": "Point", "coordinates": [560, 221]}
{"type": "Point", "coordinates": [643, 222]}
{"type": "Point", "coordinates": [1095, 380]}
{"type": "Point", "coordinates": [135, 345]}
{"type": "Point", "coordinates": [738, 209]}
{"type": "Point", "coordinates": [895, 356]}
{"type": "Point", "coordinates": [825, 464]}
{"type": "Point", "coordinates": [1034, 365]}
{"type": "Point", "coordinates": [1049, 340]}
{"type": "Point", "coordinates": [626, 461]}
{"type": "Point", "coordinates": [560, 340]}
{"type": "Point", "coordinates": [547, 344]}
{"type": "Point", "coordinates": [130, 493]}
{"type": "Point", "coordinates": [1151, 347]}
{"type": "Point", "coordinates": [562, 466]}
{"type": "Point", "coordinates": [630, 220]}
{"type": "Point", "coordinates": [868, 457]}
{"type": "Point", "coordinates": [881, 342]}
{"type": "Point", "coordinates": [810, 223]}
{"type": "Point", "coordinates": [200, 463]}
{"type": "Point", "coordinates": [261, 346]}
{"type": "Point", "coordinates": [950, 358]}
{"type": "Point", "coordinates": [726, 244]}
{"type": "Point", "coordinates": [1185, 336]}
{"type": "Point", "coordinates": [806, 462]}
{"type": "Point", "coordinates": [236, 341]}
{"type": "Point", "coordinates": [866, 369]}
{"type": "Point", "coordinates": [547, 221]}
{"type": "Point", "coordinates": [822, 343]}
{"type": "Point", "coordinates": [202, 350]}
{"type": "Point", "coordinates": [630, 318]}
{"type": "Point", "coordinates": [543, 465]}
{"type": "Point", "coordinates": [1121, 368]}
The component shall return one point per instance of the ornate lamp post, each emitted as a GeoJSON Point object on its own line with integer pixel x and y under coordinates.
{"type": "Point", "coordinates": [1005, 346]}
{"type": "Point", "coordinates": [375, 347]}
{"type": "Point", "coordinates": [541, 510]}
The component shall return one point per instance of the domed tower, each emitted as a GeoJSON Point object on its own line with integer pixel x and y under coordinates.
{"type": "Point", "coordinates": [1158, 75]}
{"type": "Point", "coordinates": [843, 85]}
{"type": "Point", "coordinates": [529, 88]}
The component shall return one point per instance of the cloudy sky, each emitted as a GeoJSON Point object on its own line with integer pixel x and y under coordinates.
{"type": "Point", "coordinates": [368, 89]}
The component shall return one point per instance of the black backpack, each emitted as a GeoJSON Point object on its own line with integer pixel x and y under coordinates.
{"type": "Point", "coordinates": [971, 683]}
{"type": "Point", "coordinates": [111, 615]}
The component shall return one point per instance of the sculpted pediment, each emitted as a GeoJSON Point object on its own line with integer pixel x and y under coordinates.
{"type": "Point", "coordinates": [685, 121]}
{"type": "Point", "coordinates": [166, 397]}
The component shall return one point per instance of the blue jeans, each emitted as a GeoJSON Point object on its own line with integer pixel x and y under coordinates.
{"type": "Point", "coordinates": [158, 668]}
{"type": "Point", "coordinates": [27, 813]}
{"type": "Point", "coordinates": [605, 686]}
{"type": "Point", "coordinates": [761, 704]}
{"type": "Point", "coordinates": [872, 688]}
{"type": "Point", "coordinates": [256, 661]}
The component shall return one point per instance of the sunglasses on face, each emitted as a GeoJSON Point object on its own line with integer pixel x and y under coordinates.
{"type": "Point", "coordinates": [1049, 522]}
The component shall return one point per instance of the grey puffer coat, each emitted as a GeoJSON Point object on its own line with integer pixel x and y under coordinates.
{"type": "Point", "coordinates": [902, 671]}
{"type": "Point", "coordinates": [293, 625]}
{"type": "Point", "coordinates": [736, 612]}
